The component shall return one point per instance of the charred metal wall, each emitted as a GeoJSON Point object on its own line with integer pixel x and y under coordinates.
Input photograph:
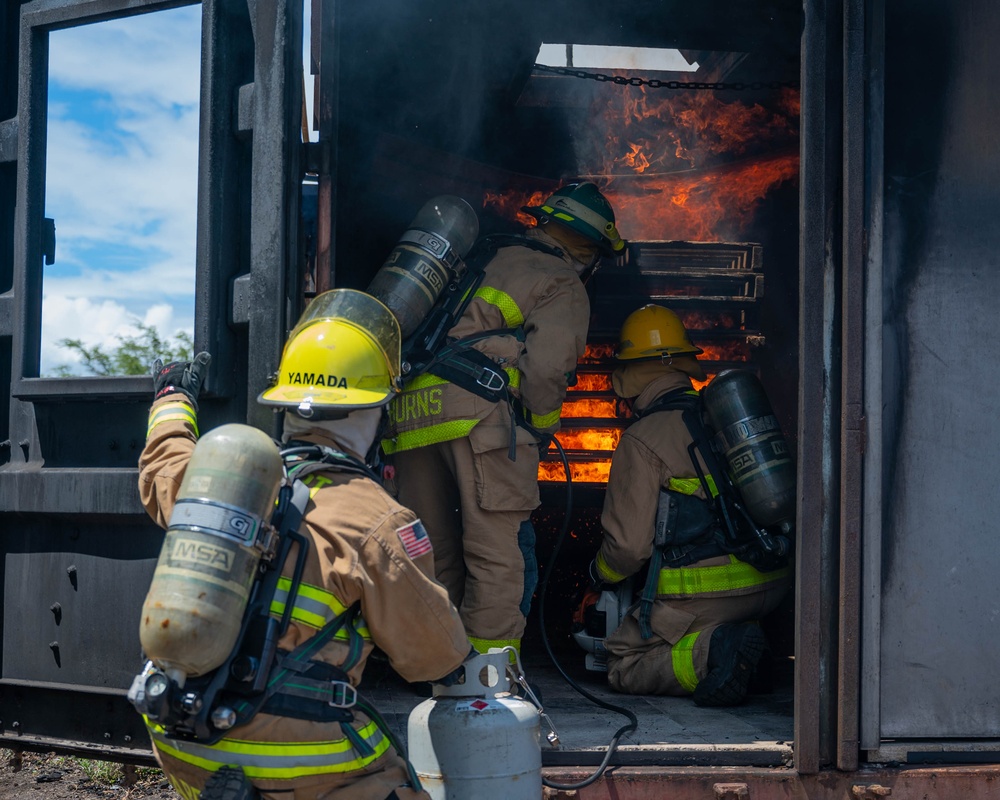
{"type": "Point", "coordinates": [932, 398]}
{"type": "Point", "coordinates": [76, 548]}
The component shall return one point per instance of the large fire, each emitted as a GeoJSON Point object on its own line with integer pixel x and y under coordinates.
{"type": "Point", "coordinates": [681, 165]}
{"type": "Point", "coordinates": [675, 166]}
{"type": "Point", "coordinates": [580, 471]}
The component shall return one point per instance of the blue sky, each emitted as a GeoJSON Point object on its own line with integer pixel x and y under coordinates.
{"type": "Point", "coordinates": [121, 179]}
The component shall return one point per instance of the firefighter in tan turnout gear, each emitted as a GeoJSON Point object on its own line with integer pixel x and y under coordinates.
{"type": "Point", "coordinates": [461, 460]}
{"type": "Point", "coordinates": [339, 369]}
{"type": "Point", "coordinates": [699, 634]}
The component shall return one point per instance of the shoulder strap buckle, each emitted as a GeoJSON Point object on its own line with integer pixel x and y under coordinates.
{"type": "Point", "coordinates": [342, 695]}
{"type": "Point", "coordinates": [492, 380]}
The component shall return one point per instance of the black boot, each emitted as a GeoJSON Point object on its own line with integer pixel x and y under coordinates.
{"type": "Point", "coordinates": [733, 653]}
{"type": "Point", "coordinates": [229, 783]}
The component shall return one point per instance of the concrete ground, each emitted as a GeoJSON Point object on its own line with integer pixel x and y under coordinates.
{"type": "Point", "coordinates": [671, 730]}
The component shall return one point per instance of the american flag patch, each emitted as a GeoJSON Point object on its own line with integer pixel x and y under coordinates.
{"type": "Point", "coordinates": [415, 540]}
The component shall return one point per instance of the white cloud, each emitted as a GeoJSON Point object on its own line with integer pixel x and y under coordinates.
{"type": "Point", "coordinates": [121, 178]}
{"type": "Point", "coordinates": [98, 323]}
{"type": "Point", "coordinates": [155, 56]}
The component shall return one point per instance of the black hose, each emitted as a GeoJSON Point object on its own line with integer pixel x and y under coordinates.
{"type": "Point", "coordinates": [543, 587]}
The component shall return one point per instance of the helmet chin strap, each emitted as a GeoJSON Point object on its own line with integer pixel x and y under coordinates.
{"type": "Point", "coordinates": [589, 270]}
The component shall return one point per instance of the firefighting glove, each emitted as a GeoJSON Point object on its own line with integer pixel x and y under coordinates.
{"type": "Point", "coordinates": [185, 377]}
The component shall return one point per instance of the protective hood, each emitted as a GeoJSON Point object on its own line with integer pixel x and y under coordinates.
{"type": "Point", "coordinates": [630, 379]}
{"type": "Point", "coordinates": [354, 434]}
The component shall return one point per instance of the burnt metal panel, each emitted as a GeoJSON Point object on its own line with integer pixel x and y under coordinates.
{"type": "Point", "coordinates": [852, 350]}
{"type": "Point", "coordinates": [275, 290]}
{"type": "Point", "coordinates": [77, 585]}
{"type": "Point", "coordinates": [86, 721]}
{"type": "Point", "coordinates": [77, 550]}
{"type": "Point", "coordinates": [936, 642]}
{"type": "Point", "coordinates": [816, 550]}
{"type": "Point", "coordinates": [871, 562]}
{"type": "Point", "coordinates": [747, 783]}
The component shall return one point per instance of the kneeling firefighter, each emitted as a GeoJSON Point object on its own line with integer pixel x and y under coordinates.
{"type": "Point", "coordinates": [670, 506]}
{"type": "Point", "coordinates": [359, 574]}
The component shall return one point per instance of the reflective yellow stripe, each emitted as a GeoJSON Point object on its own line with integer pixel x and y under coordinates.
{"type": "Point", "coordinates": [512, 315]}
{"type": "Point", "coordinates": [422, 382]}
{"type": "Point", "coordinates": [606, 572]}
{"type": "Point", "coordinates": [484, 645]}
{"type": "Point", "coordinates": [682, 658]}
{"type": "Point", "coordinates": [514, 376]}
{"type": "Point", "coordinates": [171, 412]}
{"type": "Point", "coordinates": [691, 485]}
{"type": "Point", "coordinates": [314, 607]}
{"type": "Point", "coordinates": [275, 760]}
{"type": "Point", "coordinates": [432, 434]}
{"type": "Point", "coordinates": [706, 580]}
{"type": "Point", "coordinates": [544, 420]}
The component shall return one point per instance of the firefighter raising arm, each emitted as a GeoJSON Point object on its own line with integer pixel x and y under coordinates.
{"type": "Point", "coordinates": [171, 433]}
{"type": "Point", "coordinates": [364, 578]}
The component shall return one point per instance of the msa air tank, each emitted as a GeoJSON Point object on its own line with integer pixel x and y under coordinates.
{"type": "Point", "coordinates": [756, 453]}
{"type": "Point", "coordinates": [427, 257]}
{"type": "Point", "coordinates": [217, 533]}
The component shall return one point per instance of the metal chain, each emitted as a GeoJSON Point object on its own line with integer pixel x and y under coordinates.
{"type": "Point", "coordinates": [654, 83]}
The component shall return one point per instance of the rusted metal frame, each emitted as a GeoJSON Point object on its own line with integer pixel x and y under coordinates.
{"type": "Point", "coordinates": [870, 726]}
{"type": "Point", "coordinates": [851, 396]}
{"type": "Point", "coordinates": [734, 783]}
{"type": "Point", "coordinates": [8, 155]}
{"type": "Point", "coordinates": [37, 19]}
{"type": "Point", "coordinates": [55, 14]}
{"type": "Point", "coordinates": [275, 194]}
{"type": "Point", "coordinates": [8, 140]}
{"type": "Point", "coordinates": [226, 67]}
{"type": "Point", "coordinates": [328, 119]}
{"type": "Point", "coordinates": [71, 719]}
{"type": "Point", "coordinates": [818, 395]}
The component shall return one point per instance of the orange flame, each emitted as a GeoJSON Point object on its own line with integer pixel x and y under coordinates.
{"type": "Point", "coordinates": [733, 350]}
{"type": "Point", "coordinates": [691, 127]}
{"type": "Point", "coordinates": [581, 471]}
{"type": "Point", "coordinates": [706, 206]}
{"type": "Point", "coordinates": [594, 408]}
{"type": "Point", "coordinates": [682, 166]}
{"type": "Point", "coordinates": [597, 353]}
{"type": "Point", "coordinates": [508, 204]}
{"type": "Point", "coordinates": [592, 382]}
{"type": "Point", "coordinates": [589, 438]}
{"type": "Point", "coordinates": [717, 320]}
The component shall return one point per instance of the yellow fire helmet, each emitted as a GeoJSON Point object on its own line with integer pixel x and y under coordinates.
{"type": "Point", "coordinates": [343, 354]}
{"type": "Point", "coordinates": [654, 332]}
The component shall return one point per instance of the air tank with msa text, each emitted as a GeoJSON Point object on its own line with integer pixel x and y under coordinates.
{"type": "Point", "coordinates": [755, 450]}
{"type": "Point", "coordinates": [218, 531]}
{"type": "Point", "coordinates": [426, 259]}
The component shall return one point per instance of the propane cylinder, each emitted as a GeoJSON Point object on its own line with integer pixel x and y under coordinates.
{"type": "Point", "coordinates": [427, 257]}
{"type": "Point", "coordinates": [474, 740]}
{"type": "Point", "coordinates": [756, 453]}
{"type": "Point", "coordinates": [201, 585]}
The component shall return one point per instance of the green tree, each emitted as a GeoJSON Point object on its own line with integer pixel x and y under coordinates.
{"type": "Point", "coordinates": [133, 355]}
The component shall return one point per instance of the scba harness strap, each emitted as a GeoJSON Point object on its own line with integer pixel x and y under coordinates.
{"type": "Point", "coordinates": [456, 360]}
{"type": "Point", "coordinates": [689, 529]}
{"type": "Point", "coordinates": [257, 676]}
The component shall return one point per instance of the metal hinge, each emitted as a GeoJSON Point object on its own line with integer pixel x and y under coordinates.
{"type": "Point", "coordinates": [872, 791]}
{"type": "Point", "coordinates": [731, 791]}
